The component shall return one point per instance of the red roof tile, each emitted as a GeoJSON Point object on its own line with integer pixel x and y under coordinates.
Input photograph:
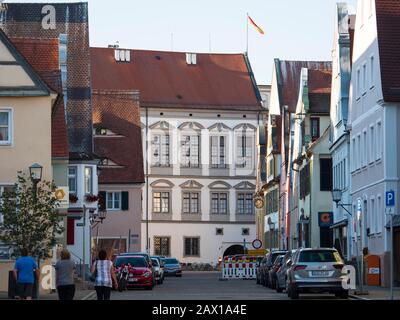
{"type": "Point", "coordinates": [388, 25]}
{"type": "Point", "coordinates": [289, 73]}
{"type": "Point", "coordinates": [42, 55]}
{"type": "Point", "coordinates": [218, 81]}
{"type": "Point", "coordinates": [119, 112]}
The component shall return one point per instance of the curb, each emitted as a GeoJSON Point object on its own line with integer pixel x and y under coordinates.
{"type": "Point", "coordinates": [358, 297]}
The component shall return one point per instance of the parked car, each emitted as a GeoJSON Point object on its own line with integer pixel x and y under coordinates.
{"type": "Point", "coordinates": [139, 272]}
{"type": "Point", "coordinates": [266, 267]}
{"type": "Point", "coordinates": [172, 267]}
{"type": "Point", "coordinates": [260, 265]}
{"type": "Point", "coordinates": [146, 256]}
{"type": "Point", "coordinates": [158, 270]}
{"type": "Point", "coordinates": [316, 271]}
{"type": "Point", "coordinates": [272, 272]}
{"type": "Point", "coordinates": [281, 273]}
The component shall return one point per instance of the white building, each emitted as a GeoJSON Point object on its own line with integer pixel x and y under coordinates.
{"type": "Point", "coordinates": [199, 114]}
{"type": "Point", "coordinates": [340, 134]}
{"type": "Point", "coordinates": [375, 129]}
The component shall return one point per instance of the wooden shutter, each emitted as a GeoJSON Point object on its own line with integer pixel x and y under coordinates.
{"type": "Point", "coordinates": [125, 200]}
{"type": "Point", "coordinates": [102, 201]}
{"type": "Point", "coordinates": [70, 231]}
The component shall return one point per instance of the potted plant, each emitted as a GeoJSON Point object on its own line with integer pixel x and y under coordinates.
{"type": "Point", "coordinates": [73, 198]}
{"type": "Point", "coordinates": [91, 198]}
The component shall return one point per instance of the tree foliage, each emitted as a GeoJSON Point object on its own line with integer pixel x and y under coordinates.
{"type": "Point", "coordinates": [30, 218]}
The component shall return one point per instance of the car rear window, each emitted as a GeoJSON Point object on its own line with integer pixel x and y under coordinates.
{"type": "Point", "coordinates": [137, 262]}
{"type": "Point", "coordinates": [171, 261]}
{"type": "Point", "coordinates": [319, 256]}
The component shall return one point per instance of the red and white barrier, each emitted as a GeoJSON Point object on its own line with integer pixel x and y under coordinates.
{"type": "Point", "coordinates": [239, 267]}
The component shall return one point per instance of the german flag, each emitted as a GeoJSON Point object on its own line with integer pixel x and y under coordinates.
{"type": "Point", "coordinates": [255, 25]}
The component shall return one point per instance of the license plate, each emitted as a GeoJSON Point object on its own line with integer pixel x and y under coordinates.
{"type": "Point", "coordinates": [320, 273]}
{"type": "Point", "coordinates": [133, 280]}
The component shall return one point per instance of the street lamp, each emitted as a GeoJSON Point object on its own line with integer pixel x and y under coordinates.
{"type": "Point", "coordinates": [35, 172]}
{"type": "Point", "coordinates": [271, 225]}
{"type": "Point", "coordinates": [337, 197]}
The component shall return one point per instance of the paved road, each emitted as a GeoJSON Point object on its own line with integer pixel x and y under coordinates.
{"type": "Point", "coordinates": [206, 286]}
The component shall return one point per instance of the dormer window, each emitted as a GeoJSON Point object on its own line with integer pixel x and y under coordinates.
{"type": "Point", "coordinates": [191, 58]}
{"type": "Point", "coordinates": [122, 55]}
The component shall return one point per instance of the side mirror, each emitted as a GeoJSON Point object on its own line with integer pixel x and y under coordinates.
{"type": "Point", "coordinates": [289, 262]}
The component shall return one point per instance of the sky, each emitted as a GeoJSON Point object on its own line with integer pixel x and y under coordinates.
{"type": "Point", "coordinates": [294, 30]}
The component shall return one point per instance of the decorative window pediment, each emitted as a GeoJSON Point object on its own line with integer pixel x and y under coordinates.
{"type": "Point", "coordinates": [162, 183]}
{"type": "Point", "coordinates": [195, 126]}
{"type": "Point", "coordinates": [219, 127]}
{"type": "Point", "coordinates": [245, 127]}
{"type": "Point", "coordinates": [161, 125]}
{"type": "Point", "coordinates": [219, 185]}
{"type": "Point", "coordinates": [191, 184]}
{"type": "Point", "coordinates": [245, 185]}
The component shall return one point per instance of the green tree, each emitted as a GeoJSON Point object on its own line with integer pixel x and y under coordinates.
{"type": "Point", "coordinates": [30, 217]}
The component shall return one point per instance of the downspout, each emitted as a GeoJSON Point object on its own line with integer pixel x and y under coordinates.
{"type": "Point", "coordinates": [147, 182]}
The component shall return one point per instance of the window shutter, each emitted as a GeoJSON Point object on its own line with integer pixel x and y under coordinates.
{"type": "Point", "coordinates": [70, 231]}
{"type": "Point", "coordinates": [102, 201]}
{"type": "Point", "coordinates": [125, 201]}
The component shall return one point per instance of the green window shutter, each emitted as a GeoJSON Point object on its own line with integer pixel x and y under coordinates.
{"type": "Point", "coordinates": [102, 200]}
{"type": "Point", "coordinates": [125, 201]}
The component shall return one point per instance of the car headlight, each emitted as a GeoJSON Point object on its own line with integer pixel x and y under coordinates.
{"type": "Point", "coordinates": [146, 274]}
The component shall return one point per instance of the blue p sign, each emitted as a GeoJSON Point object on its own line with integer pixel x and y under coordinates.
{"type": "Point", "coordinates": [390, 199]}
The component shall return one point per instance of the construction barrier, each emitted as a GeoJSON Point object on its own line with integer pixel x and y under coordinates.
{"type": "Point", "coordinates": [241, 267]}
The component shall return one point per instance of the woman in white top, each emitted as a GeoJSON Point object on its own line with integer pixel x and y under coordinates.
{"type": "Point", "coordinates": [104, 270]}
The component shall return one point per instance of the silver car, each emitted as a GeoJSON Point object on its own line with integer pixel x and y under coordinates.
{"type": "Point", "coordinates": [158, 270]}
{"type": "Point", "coordinates": [316, 271]}
{"type": "Point", "coordinates": [282, 272]}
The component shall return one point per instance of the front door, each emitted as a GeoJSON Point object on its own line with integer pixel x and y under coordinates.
{"type": "Point", "coordinates": [326, 237]}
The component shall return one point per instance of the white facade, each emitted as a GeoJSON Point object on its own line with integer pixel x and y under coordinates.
{"type": "Point", "coordinates": [197, 177]}
{"type": "Point", "coordinates": [374, 147]}
{"type": "Point", "coordinates": [81, 247]}
{"type": "Point", "coordinates": [340, 140]}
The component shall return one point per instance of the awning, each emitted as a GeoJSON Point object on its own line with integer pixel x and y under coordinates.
{"type": "Point", "coordinates": [396, 222]}
{"type": "Point", "coordinates": [340, 224]}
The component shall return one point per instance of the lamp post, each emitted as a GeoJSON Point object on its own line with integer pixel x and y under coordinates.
{"type": "Point", "coordinates": [35, 172]}
{"type": "Point", "coordinates": [271, 226]}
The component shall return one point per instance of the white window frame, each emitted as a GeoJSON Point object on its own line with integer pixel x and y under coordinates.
{"type": "Point", "coordinates": [358, 151]}
{"type": "Point", "coordinates": [90, 180]}
{"type": "Point", "coordinates": [372, 144]}
{"type": "Point", "coordinates": [10, 127]}
{"type": "Point", "coordinates": [245, 199]}
{"type": "Point", "coordinates": [73, 176]}
{"type": "Point", "coordinates": [161, 145]}
{"type": "Point", "coordinates": [364, 149]}
{"type": "Point", "coordinates": [379, 140]}
{"type": "Point", "coordinates": [191, 198]}
{"type": "Point", "coordinates": [358, 84]}
{"type": "Point", "coordinates": [379, 207]}
{"type": "Point", "coordinates": [187, 161]}
{"type": "Point", "coordinates": [364, 78]}
{"type": "Point", "coordinates": [246, 160]}
{"type": "Point", "coordinates": [372, 71]}
{"type": "Point", "coordinates": [219, 165]}
{"type": "Point", "coordinates": [373, 216]}
{"type": "Point", "coordinates": [113, 207]}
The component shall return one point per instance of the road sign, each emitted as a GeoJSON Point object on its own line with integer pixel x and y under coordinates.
{"type": "Point", "coordinates": [257, 244]}
{"type": "Point", "coordinates": [390, 200]}
{"type": "Point", "coordinates": [259, 252]}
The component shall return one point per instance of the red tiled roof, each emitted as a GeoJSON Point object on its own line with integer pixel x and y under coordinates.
{"type": "Point", "coordinates": [319, 85]}
{"type": "Point", "coordinates": [217, 81]}
{"type": "Point", "coordinates": [388, 26]}
{"type": "Point", "coordinates": [290, 72]}
{"type": "Point", "coordinates": [42, 55]}
{"type": "Point", "coordinates": [119, 112]}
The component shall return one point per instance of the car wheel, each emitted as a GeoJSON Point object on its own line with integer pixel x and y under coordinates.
{"type": "Point", "coordinates": [149, 287]}
{"type": "Point", "coordinates": [293, 293]}
{"type": "Point", "coordinates": [344, 294]}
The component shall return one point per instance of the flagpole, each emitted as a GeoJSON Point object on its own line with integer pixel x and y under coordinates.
{"type": "Point", "coordinates": [247, 33]}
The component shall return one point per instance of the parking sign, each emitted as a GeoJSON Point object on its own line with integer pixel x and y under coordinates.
{"type": "Point", "coordinates": [390, 201]}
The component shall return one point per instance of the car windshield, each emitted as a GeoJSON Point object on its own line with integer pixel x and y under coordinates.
{"type": "Point", "coordinates": [137, 262]}
{"type": "Point", "coordinates": [171, 261]}
{"type": "Point", "coordinates": [275, 255]}
{"type": "Point", "coordinates": [154, 262]}
{"type": "Point", "coordinates": [319, 256]}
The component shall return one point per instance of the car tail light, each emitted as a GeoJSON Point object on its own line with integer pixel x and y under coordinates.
{"type": "Point", "coordinates": [300, 267]}
{"type": "Point", "coordinates": [338, 266]}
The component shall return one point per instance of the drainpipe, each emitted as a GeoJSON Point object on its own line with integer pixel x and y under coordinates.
{"type": "Point", "coordinates": [147, 181]}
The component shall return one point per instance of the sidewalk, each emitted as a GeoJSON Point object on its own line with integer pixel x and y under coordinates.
{"type": "Point", "coordinates": [79, 295]}
{"type": "Point", "coordinates": [377, 293]}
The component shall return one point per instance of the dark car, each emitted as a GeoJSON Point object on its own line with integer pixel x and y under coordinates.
{"type": "Point", "coordinates": [172, 267]}
{"type": "Point", "coordinates": [139, 271]}
{"type": "Point", "coordinates": [266, 267]}
{"type": "Point", "coordinates": [272, 272]}
{"type": "Point", "coordinates": [260, 265]}
{"type": "Point", "coordinates": [281, 274]}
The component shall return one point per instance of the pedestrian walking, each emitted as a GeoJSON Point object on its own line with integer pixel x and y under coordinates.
{"type": "Point", "coordinates": [104, 275]}
{"type": "Point", "coordinates": [65, 269]}
{"type": "Point", "coordinates": [24, 272]}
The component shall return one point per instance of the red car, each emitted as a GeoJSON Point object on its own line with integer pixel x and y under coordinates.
{"type": "Point", "coordinates": [139, 271]}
